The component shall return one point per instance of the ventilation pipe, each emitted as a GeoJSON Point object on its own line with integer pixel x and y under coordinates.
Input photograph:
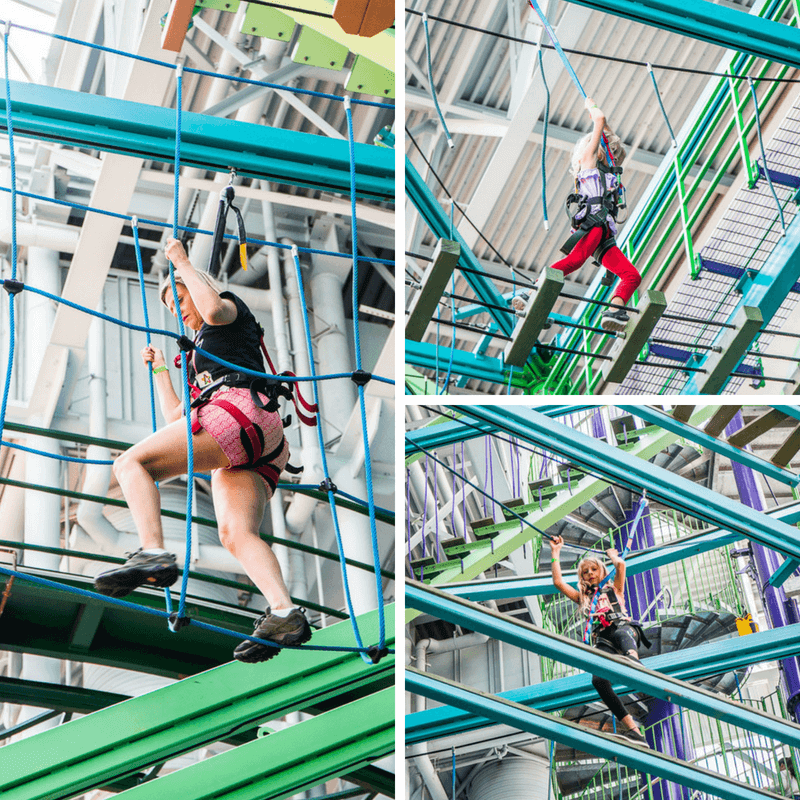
{"type": "Point", "coordinates": [511, 779]}
{"type": "Point", "coordinates": [50, 235]}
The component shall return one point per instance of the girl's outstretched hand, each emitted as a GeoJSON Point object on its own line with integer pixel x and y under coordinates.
{"type": "Point", "coordinates": [613, 554]}
{"type": "Point", "coordinates": [556, 543]}
{"type": "Point", "coordinates": [594, 111]}
{"type": "Point", "coordinates": [175, 252]}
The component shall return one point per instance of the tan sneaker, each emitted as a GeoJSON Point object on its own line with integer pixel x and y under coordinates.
{"type": "Point", "coordinates": [141, 569]}
{"type": "Point", "coordinates": [292, 629]}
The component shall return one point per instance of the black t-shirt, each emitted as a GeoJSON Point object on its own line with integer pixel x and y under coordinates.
{"type": "Point", "coordinates": [238, 342]}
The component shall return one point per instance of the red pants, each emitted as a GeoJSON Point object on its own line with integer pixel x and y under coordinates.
{"type": "Point", "coordinates": [613, 260]}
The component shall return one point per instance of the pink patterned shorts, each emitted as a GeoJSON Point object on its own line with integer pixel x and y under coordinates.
{"type": "Point", "coordinates": [225, 430]}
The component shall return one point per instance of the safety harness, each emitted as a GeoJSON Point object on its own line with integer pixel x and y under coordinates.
{"type": "Point", "coordinates": [250, 434]}
{"type": "Point", "coordinates": [597, 209]}
{"type": "Point", "coordinates": [609, 621]}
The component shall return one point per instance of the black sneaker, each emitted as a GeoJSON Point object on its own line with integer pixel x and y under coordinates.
{"type": "Point", "coordinates": [141, 569]}
{"type": "Point", "coordinates": [636, 736]}
{"type": "Point", "coordinates": [614, 319]}
{"type": "Point", "coordinates": [292, 629]}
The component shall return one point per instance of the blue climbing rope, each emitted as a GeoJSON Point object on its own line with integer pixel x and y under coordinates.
{"type": "Point", "coordinates": [11, 292]}
{"type": "Point", "coordinates": [328, 484]}
{"type": "Point", "coordinates": [544, 140]}
{"type": "Point", "coordinates": [661, 104]}
{"type": "Point", "coordinates": [361, 381]}
{"type": "Point", "coordinates": [557, 45]}
{"type": "Point", "coordinates": [764, 153]}
{"type": "Point", "coordinates": [432, 83]}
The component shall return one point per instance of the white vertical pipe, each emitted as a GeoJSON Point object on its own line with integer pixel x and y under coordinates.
{"type": "Point", "coordinates": [42, 511]}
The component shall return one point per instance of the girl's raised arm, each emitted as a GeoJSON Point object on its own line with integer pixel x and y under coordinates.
{"type": "Point", "coordinates": [555, 546]}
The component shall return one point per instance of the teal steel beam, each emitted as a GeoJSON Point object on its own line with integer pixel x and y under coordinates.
{"type": "Point", "coordinates": [769, 286]}
{"type": "Point", "coordinates": [88, 752]}
{"type": "Point", "coordinates": [580, 737]}
{"type": "Point", "coordinates": [622, 468]}
{"type": "Point", "coordinates": [431, 211]}
{"type": "Point", "coordinates": [287, 762]}
{"type": "Point", "coordinates": [473, 365]}
{"type": "Point", "coordinates": [213, 143]}
{"type": "Point", "coordinates": [669, 423]}
{"type": "Point", "coordinates": [689, 664]}
{"type": "Point", "coordinates": [790, 411]}
{"type": "Point", "coordinates": [720, 25]}
{"type": "Point", "coordinates": [611, 667]}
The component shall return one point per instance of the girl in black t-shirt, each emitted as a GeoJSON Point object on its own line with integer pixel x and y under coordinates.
{"type": "Point", "coordinates": [223, 430]}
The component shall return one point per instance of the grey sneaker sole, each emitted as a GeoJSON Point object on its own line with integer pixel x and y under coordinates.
{"type": "Point", "coordinates": [122, 581]}
{"type": "Point", "coordinates": [611, 324]}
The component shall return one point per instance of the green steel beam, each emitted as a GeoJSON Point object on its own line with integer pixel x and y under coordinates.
{"type": "Point", "coordinates": [69, 699]}
{"type": "Point", "coordinates": [289, 761]}
{"type": "Point", "coordinates": [611, 667]}
{"type": "Point", "coordinates": [580, 737]}
{"type": "Point", "coordinates": [88, 752]}
{"type": "Point", "coordinates": [668, 422]}
{"type": "Point", "coordinates": [720, 25]}
{"type": "Point", "coordinates": [434, 281]}
{"type": "Point", "coordinates": [622, 467]}
{"type": "Point", "coordinates": [688, 664]}
{"type": "Point", "coordinates": [212, 143]}
{"type": "Point", "coordinates": [635, 563]}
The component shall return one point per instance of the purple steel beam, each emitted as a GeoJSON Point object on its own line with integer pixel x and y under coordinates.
{"type": "Point", "coordinates": [666, 736]}
{"type": "Point", "coordinates": [766, 562]}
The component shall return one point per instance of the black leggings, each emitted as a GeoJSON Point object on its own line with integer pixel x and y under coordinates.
{"type": "Point", "coordinates": [623, 639]}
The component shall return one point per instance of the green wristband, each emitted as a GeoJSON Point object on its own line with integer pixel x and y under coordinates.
{"type": "Point", "coordinates": [162, 368]}
{"type": "Point", "coordinates": [554, 560]}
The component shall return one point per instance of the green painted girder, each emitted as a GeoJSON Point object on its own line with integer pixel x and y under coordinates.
{"type": "Point", "coordinates": [721, 25]}
{"type": "Point", "coordinates": [430, 209]}
{"type": "Point", "coordinates": [691, 663]}
{"type": "Point", "coordinates": [212, 143]}
{"type": "Point", "coordinates": [90, 751]}
{"type": "Point", "coordinates": [69, 699]}
{"type": "Point", "coordinates": [508, 541]}
{"type": "Point", "coordinates": [289, 761]}
{"type": "Point", "coordinates": [767, 290]}
{"type": "Point", "coordinates": [668, 422]}
{"type": "Point", "coordinates": [581, 738]}
{"type": "Point", "coordinates": [623, 467]}
{"type": "Point", "coordinates": [611, 667]}
{"type": "Point", "coordinates": [635, 563]}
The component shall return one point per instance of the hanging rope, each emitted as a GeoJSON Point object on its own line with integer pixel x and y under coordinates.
{"type": "Point", "coordinates": [431, 82]}
{"type": "Point", "coordinates": [544, 140]}
{"type": "Point", "coordinates": [556, 44]}
{"type": "Point", "coordinates": [661, 104]}
{"type": "Point", "coordinates": [764, 153]}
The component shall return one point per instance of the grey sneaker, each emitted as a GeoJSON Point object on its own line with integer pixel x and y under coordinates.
{"type": "Point", "coordinates": [636, 736]}
{"type": "Point", "coordinates": [290, 630]}
{"type": "Point", "coordinates": [141, 569]}
{"type": "Point", "coordinates": [614, 319]}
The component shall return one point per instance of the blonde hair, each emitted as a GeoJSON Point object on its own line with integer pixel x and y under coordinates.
{"type": "Point", "coordinates": [585, 599]}
{"type": "Point", "coordinates": [166, 284]}
{"type": "Point", "coordinates": [614, 145]}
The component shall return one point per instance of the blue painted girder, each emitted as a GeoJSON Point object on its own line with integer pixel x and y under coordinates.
{"type": "Point", "coordinates": [427, 355]}
{"type": "Point", "coordinates": [431, 211]}
{"type": "Point", "coordinates": [721, 25]}
{"type": "Point", "coordinates": [769, 287]}
{"type": "Point", "coordinates": [622, 468]}
{"type": "Point", "coordinates": [581, 738]}
{"type": "Point", "coordinates": [613, 668]}
{"type": "Point", "coordinates": [213, 143]}
{"type": "Point", "coordinates": [689, 664]}
{"type": "Point", "coordinates": [669, 423]}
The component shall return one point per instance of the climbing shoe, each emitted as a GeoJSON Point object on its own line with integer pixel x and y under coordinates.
{"type": "Point", "coordinates": [141, 569]}
{"type": "Point", "coordinates": [635, 735]}
{"type": "Point", "coordinates": [614, 319]}
{"type": "Point", "coordinates": [292, 629]}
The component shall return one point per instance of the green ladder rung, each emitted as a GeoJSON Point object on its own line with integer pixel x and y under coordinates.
{"type": "Point", "coordinates": [467, 547]}
{"type": "Point", "coordinates": [442, 566]}
{"type": "Point", "coordinates": [492, 530]}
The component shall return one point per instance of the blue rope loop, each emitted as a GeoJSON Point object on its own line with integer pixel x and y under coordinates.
{"type": "Point", "coordinates": [544, 141]}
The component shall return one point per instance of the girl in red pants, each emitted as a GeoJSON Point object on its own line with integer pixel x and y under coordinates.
{"type": "Point", "coordinates": [594, 224]}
